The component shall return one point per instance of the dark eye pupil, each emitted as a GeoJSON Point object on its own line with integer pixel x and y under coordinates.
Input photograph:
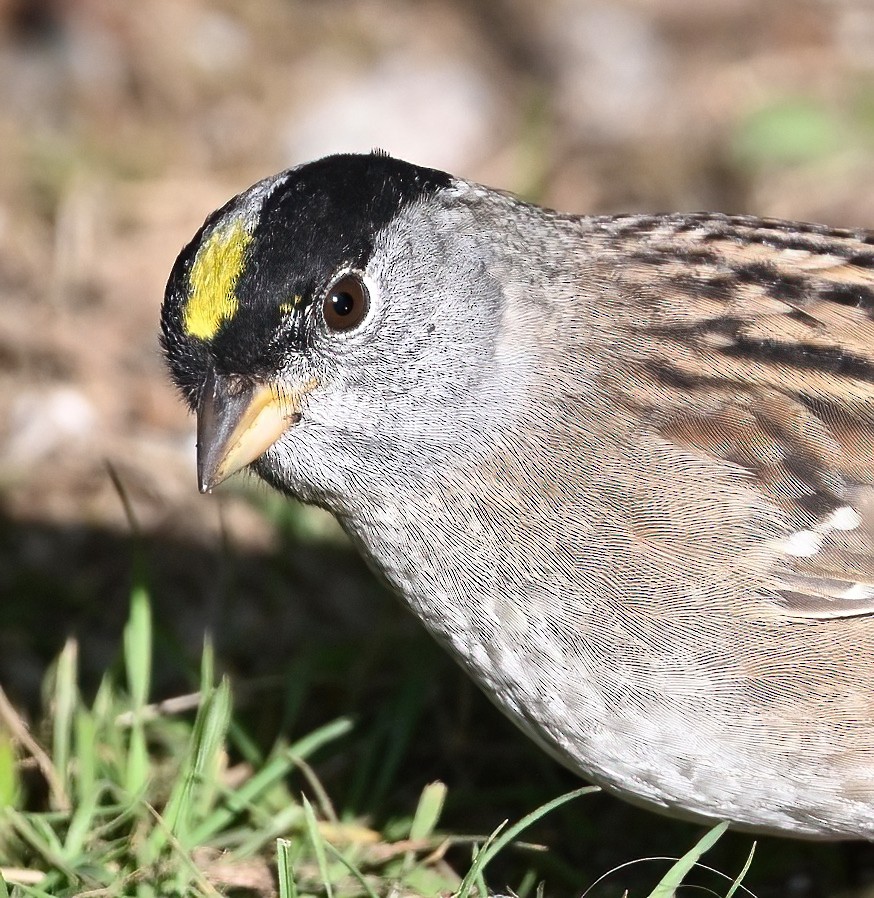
{"type": "Point", "coordinates": [345, 304]}
{"type": "Point", "coordinates": [342, 303]}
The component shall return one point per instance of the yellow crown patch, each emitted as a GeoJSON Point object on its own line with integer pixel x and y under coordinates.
{"type": "Point", "coordinates": [213, 280]}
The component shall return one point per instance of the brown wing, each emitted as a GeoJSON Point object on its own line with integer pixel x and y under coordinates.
{"type": "Point", "coordinates": [757, 347]}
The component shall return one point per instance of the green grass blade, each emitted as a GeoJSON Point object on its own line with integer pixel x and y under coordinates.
{"type": "Point", "coordinates": [673, 879]}
{"type": "Point", "coordinates": [425, 819]}
{"type": "Point", "coordinates": [64, 702]}
{"type": "Point", "coordinates": [33, 892]}
{"type": "Point", "coordinates": [209, 759]}
{"type": "Point", "coordinates": [138, 647]}
{"type": "Point", "coordinates": [41, 838]}
{"type": "Point", "coordinates": [103, 708]}
{"type": "Point", "coordinates": [82, 824]}
{"type": "Point", "coordinates": [287, 819]}
{"type": "Point", "coordinates": [318, 738]}
{"type": "Point", "coordinates": [10, 782]}
{"type": "Point", "coordinates": [428, 811]}
{"type": "Point", "coordinates": [742, 875]}
{"type": "Point", "coordinates": [196, 783]}
{"type": "Point", "coordinates": [353, 870]}
{"type": "Point", "coordinates": [498, 842]}
{"type": "Point", "coordinates": [85, 746]}
{"type": "Point", "coordinates": [273, 771]}
{"type": "Point", "coordinates": [318, 844]}
{"type": "Point", "coordinates": [207, 667]}
{"type": "Point", "coordinates": [480, 880]}
{"type": "Point", "coordinates": [527, 885]}
{"type": "Point", "coordinates": [285, 873]}
{"type": "Point", "coordinates": [138, 666]}
{"type": "Point", "coordinates": [245, 745]}
{"type": "Point", "coordinates": [136, 761]}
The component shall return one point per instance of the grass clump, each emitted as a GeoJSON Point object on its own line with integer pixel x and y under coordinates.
{"type": "Point", "coordinates": [147, 799]}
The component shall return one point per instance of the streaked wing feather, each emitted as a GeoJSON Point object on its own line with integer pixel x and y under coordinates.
{"type": "Point", "coordinates": [759, 350]}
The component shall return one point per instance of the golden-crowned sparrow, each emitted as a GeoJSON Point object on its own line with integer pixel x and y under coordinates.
{"type": "Point", "coordinates": [621, 467]}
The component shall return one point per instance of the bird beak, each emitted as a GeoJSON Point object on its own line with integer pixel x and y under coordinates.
{"type": "Point", "coordinates": [237, 422]}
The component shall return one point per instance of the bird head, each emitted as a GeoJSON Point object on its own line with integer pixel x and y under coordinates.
{"type": "Point", "coordinates": [332, 322]}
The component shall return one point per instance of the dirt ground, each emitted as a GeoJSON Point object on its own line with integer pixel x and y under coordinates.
{"type": "Point", "coordinates": [123, 124]}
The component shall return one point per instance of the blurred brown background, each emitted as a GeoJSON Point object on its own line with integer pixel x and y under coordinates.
{"type": "Point", "coordinates": [122, 124]}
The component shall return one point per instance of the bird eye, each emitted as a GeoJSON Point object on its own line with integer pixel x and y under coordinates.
{"type": "Point", "coordinates": [346, 304]}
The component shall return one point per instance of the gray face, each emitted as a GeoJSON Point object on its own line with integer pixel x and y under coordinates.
{"type": "Point", "coordinates": [331, 409]}
{"type": "Point", "coordinates": [390, 395]}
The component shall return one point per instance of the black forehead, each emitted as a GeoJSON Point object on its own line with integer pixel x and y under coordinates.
{"type": "Point", "coordinates": [331, 210]}
{"type": "Point", "coordinates": [321, 216]}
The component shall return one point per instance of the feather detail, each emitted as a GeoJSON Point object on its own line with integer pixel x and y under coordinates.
{"type": "Point", "coordinates": [757, 348]}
